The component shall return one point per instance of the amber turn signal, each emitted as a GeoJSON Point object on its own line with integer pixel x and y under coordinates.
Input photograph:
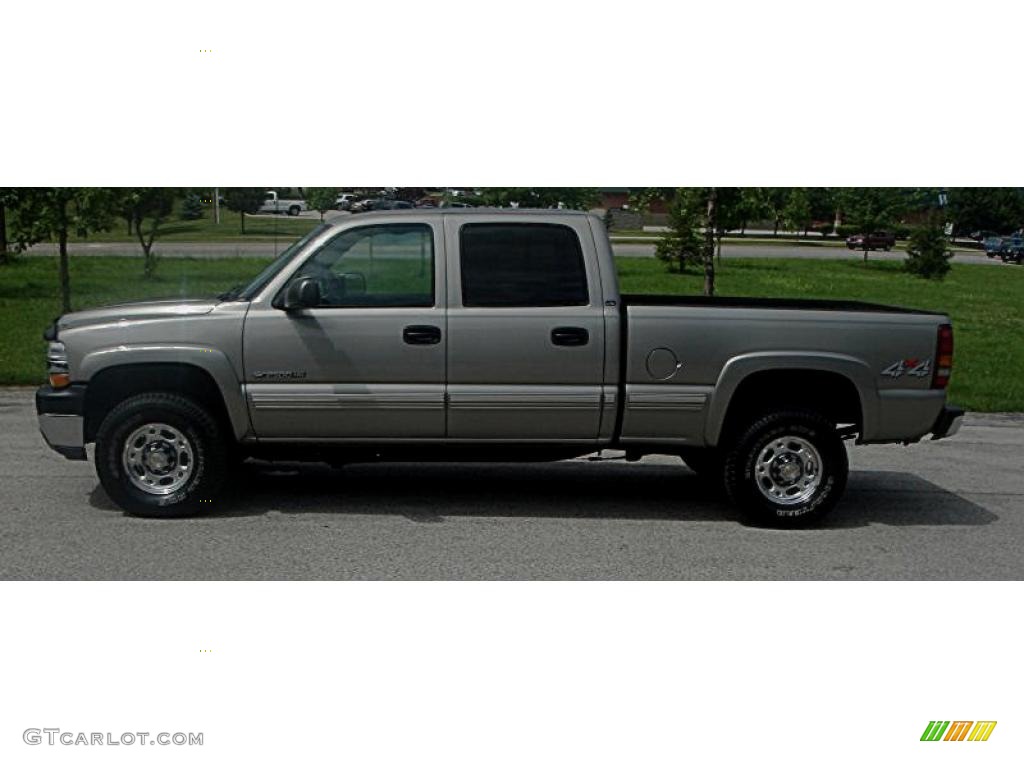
{"type": "Point", "coordinates": [60, 380]}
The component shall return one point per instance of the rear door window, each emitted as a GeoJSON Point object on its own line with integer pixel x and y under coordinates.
{"type": "Point", "coordinates": [521, 265]}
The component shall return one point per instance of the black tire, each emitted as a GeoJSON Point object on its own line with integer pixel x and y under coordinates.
{"type": "Point", "coordinates": [293, 210]}
{"type": "Point", "coordinates": [744, 484]}
{"type": "Point", "coordinates": [207, 455]}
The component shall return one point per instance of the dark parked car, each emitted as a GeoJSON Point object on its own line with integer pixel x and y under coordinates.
{"type": "Point", "coordinates": [379, 204]}
{"type": "Point", "coordinates": [883, 240]}
{"type": "Point", "coordinates": [1013, 249]}
{"type": "Point", "coordinates": [993, 246]}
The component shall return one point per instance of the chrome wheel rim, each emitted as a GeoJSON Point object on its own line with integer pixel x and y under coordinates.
{"type": "Point", "coordinates": [158, 459]}
{"type": "Point", "coordinates": [788, 470]}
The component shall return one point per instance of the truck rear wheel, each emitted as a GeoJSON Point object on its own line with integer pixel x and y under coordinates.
{"type": "Point", "coordinates": [293, 210]}
{"type": "Point", "coordinates": [787, 469]}
{"type": "Point", "coordinates": [161, 455]}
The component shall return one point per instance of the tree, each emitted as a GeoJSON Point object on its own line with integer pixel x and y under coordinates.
{"type": "Point", "coordinates": [823, 209]}
{"type": "Point", "coordinates": [682, 244]}
{"type": "Point", "coordinates": [577, 198]}
{"type": "Point", "coordinates": [244, 200]}
{"type": "Point", "coordinates": [797, 213]}
{"type": "Point", "coordinates": [991, 209]}
{"type": "Point", "coordinates": [733, 208]}
{"type": "Point", "coordinates": [16, 230]}
{"type": "Point", "coordinates": [695, 225]}
{"type": "Point", "coordinates": [755, 206]}
{"type": "Point", "coordinates": [322, 199]}
{"type": "Point", "coordinates": [710, 227]}
{"type": "Point", "coordinates": [152, 204]}
{"type": "Point", "coordinates": [872, 209]}
{"type": "Point", "coordinates": [8, 200]}
{"type": "Point", "coordinates": [57, 212]}
{"type": "Point", "coordinates": [191, 207]}
{"type": "Point", "coordinates": [771, 202]}
{"type": "Point", "coordinates": [928, 251]}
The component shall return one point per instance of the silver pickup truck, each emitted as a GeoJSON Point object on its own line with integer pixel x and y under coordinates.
{"type": "Point", "coordinates": [486, 335]}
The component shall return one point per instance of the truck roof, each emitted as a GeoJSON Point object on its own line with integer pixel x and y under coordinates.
{"type": "Point", "coordinates": [475, 211]}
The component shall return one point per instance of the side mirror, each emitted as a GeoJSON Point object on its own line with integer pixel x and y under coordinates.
{"type": "Point", "coordinates": [301, 293]}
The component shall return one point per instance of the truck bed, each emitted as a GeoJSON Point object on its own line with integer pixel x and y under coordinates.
{"type": "Point", "coordinates": [685, 356]}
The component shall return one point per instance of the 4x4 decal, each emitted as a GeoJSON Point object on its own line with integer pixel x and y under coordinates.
{"type": "Point", "coordinates": [910, 367]}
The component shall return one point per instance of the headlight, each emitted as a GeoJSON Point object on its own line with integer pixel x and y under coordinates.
{"type": "Point", "coordinates": [57, 365]}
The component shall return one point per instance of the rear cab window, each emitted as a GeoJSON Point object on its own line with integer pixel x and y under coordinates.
{"type": "Point", "coordinates": [521, 265]}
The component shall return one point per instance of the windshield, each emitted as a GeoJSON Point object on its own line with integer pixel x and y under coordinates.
{"type": "Point", "coordinates": [272, 268]}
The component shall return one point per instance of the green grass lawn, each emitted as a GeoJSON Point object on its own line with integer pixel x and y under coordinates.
{"type": "Point", "coordinates": [985, 303]}
{"type": "Point", "coordinates": [204, 230]}
{"type": "Point", "coordinates": [30, 299]}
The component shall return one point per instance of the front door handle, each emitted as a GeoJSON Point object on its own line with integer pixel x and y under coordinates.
{"type": "Point", "coordinates": [421, 334]}
{"type": "Point", "coordinates": [570, 337]}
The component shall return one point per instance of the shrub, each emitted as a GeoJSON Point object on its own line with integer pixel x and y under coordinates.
{"type": "Point", "coordinates": [683, 243]}
{"type": "Point", "coordinates": [928, 253]}
{"type": "Point", "coordinates": [191, 207]}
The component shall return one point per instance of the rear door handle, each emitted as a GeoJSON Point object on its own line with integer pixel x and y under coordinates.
{"type": "Point", "coordinates": [570, 337]}
{"type": "Point", "coordinates": [421, 334]}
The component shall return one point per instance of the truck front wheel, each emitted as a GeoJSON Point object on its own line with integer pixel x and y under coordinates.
{"type": "Point", "coordinates": [161, 455]}
{"type": "Point", "coordinates": [787, 469]}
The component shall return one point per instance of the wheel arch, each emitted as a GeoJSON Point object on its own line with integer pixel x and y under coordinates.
{"type": "Point", "coordinates": [114, 383]}
{"type": "Point", "coordinates": [838, 386]}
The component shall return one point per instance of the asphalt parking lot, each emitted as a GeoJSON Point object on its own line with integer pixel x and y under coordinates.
{"type": "Point", "coordinates": [952, 509]}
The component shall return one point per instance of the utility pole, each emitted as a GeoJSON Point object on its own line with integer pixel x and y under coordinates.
{"type": "Point", "coordinates": [947, 226]}
{"type": "Point", "coordinates": [216, 205]}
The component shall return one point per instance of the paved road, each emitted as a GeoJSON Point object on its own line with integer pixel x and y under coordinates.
{"type": "Point", "coordinates": [643, 250]}
{"type": "Point", "coordinates": [947, 510]}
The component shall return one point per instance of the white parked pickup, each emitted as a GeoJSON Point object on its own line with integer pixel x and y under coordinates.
{"type": "Point", "coordinates": [274, 204]}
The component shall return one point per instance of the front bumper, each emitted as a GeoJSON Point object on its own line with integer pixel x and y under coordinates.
{"type": "Point", "coordinates": [61, 414]}
{"type": "Point", "coordinates": [949, 422]}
